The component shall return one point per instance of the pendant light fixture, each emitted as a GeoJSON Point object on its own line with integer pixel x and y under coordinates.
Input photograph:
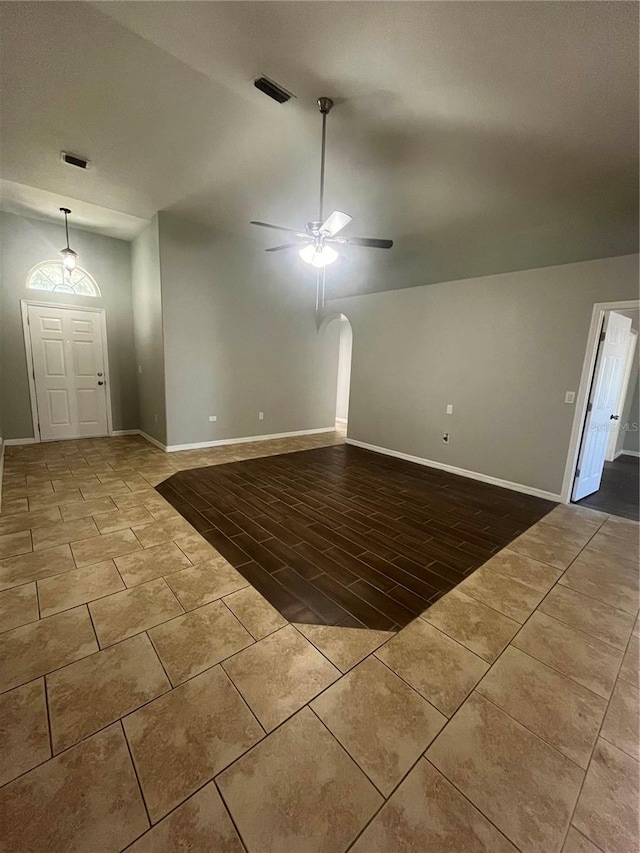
{"type": "Point", "coordinates": [69, 257]}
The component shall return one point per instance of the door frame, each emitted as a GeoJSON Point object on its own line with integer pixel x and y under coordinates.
{"type": "Point", "coordinates": [24, 309]}
{"type": "Point", "coordinates": [588, 368]}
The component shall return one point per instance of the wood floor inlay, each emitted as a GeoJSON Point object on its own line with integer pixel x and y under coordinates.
{"type": "Point", "coordinates": [344, 536]}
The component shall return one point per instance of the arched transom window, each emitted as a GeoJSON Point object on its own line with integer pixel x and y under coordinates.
{"type": "Point", "coordinates": [52, 276]}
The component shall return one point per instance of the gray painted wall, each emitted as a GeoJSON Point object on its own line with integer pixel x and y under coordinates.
{"type": "Point", "coordinates": [147, 322]}
{"type": "Point", "coordinates": [26, 242]}
{"type": "Point", "coordinates": [240, 338]}
{"type": "Point", "coordinates": [502, 349]}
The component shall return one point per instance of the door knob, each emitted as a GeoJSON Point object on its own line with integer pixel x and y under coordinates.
{"type": "Point", "coordinates": [614, 417]}
{"type": "Point", "coordinates": [101, 382]}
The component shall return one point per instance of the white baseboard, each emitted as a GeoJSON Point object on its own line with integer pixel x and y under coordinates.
{"type": "Point", "coordinates": [462, 472]}
{"type": "Point", "coordinates": [244, 439]}
{"type": "Point", "coordinates": [152, 440]}
{"type": "Point", "coordinates": [198, 445]}
{"type": "Point", "coordinates": [629, 453]}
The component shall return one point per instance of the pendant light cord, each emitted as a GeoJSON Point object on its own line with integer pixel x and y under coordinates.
{"type": "Point", "coordinates": [66, 212]}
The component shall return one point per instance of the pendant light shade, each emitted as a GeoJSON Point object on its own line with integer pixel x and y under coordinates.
{"type": "Point", "coordinates": [69, 257]}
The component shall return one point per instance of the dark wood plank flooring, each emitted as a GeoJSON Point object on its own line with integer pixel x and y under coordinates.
{"type": "Point", "coordinates": [344, 536]}
{"type": "Point", "coordinates": [619, 492]}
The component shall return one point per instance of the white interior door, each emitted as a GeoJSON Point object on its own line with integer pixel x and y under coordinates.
{"type": "Point", "coordinates": [605, 391]}
{"type": "Point", "coordinates": [69, 376]}
{"type": "Point", "coordinates": [615, 435]}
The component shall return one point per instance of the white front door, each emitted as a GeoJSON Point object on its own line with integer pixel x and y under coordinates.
{"type": "Point", "coordinates": [68, 365]}
{"type": "Point", "coordinates": [605, 391]}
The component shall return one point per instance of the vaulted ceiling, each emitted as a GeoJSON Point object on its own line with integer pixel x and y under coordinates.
{"type": "Point", "coordinates": [481, 136]}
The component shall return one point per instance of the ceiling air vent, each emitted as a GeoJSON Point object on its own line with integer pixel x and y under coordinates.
{"type": "Point", "coordinates": [272, 89]}
{"type": "Point", "coordinates": [74, 160]}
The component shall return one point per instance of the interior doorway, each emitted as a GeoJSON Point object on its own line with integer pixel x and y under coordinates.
{"type": "Point", "coordinates": [605, 474]}
{"type": "Point", "coordinates": [66, 349]}
{"type": "Point", "coordinates": [344, 372]}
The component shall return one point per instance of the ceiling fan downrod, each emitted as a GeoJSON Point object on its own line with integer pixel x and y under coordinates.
{"type": "Point", "coordinates": [324, 105]}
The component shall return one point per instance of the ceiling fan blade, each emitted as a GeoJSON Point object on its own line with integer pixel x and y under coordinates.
{"type": "Point", "coordinates": [278, 227]}
{"type": "Point", "coordinates": [285, 246]}
{"type": "Point", "coordinates": [367, 242]}
{"type": "Point", "coordinates": [334, 223]}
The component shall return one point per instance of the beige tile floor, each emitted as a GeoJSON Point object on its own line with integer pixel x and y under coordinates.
{"type": "Point", "coordinates": [152, 700]}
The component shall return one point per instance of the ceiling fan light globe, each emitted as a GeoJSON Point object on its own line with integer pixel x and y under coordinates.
{"type": "Point", "coordinates": [324, 257]}
{"type": "Point", "coordinates": [318, 256]}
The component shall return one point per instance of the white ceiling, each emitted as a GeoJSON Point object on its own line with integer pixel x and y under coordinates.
{"type": "Point", "coordinates": [42, 204]}
{"type": "Point", "coordinates": [482, 137]}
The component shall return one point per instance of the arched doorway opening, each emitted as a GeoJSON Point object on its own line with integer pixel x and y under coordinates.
{"type": "Point", "coordinates": [338, 328]}
{"type": "Point", "coordinates": [343, 385]}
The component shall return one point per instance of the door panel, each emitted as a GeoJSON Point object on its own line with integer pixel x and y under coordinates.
{"type": "Point", "coordinates": [84, 361]}
{"type": "Point", "coordinates": [53, 358]}
{"type": "Point", "coordinates": [81, 327]}
{"type": "Point", "coordinates": [88, 406]}
{"type": "Point", "coordinates": [68, 362]}
{"type": "Point", "coordinates": [51, 324]}
{"type": "Point", "coordinates": [605, 392]}
{"type": "Point", "coordinates": [58, 410]}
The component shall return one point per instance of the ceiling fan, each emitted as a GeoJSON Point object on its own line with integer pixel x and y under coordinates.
{"type": "Point", "coordinates": [316, 240]}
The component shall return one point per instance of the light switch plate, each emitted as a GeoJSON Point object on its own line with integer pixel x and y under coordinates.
{"type": "Point", "coordinates": [449, 409]}
{"type": "Point", "coordinates": [570, 397]}
{"type": "Point", "coordinates": [213, 418]}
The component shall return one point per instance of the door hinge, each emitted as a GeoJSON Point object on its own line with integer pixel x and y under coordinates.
{"type": "Point", "coordinates": [589, 407]}
{"type": "Point", "coordinates": [577, 474]}
{"type": "Point", "coordinates": [602, 336]}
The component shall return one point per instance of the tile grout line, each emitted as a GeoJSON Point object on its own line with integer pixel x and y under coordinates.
{"type": "Point", "coordinates": [228, 811]}
{"type": "Point", "coordinates": [120, 722]}
{"type": "Point", "coordinates": [48, 713]}
{"type": "Point", "coordinates": [531, 732]}
{"type": "Point", "coordinates": [595, 744]}
{"type": "Point", "coordinates": [172, 686]}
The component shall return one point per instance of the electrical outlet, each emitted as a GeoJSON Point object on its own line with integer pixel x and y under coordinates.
{"type": "Point", "coordinates": [213, 418]}
{"type": "Point", "coordinates": [445, 437]}
{"type": "Point", "coordinates": [449, 409]}
{"type": "Point", "coordinates": [139, 368]}
{"type": "Point", "coordinates": [155, 418]}
{"type": "Point", "coordinates": [260, 416]}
